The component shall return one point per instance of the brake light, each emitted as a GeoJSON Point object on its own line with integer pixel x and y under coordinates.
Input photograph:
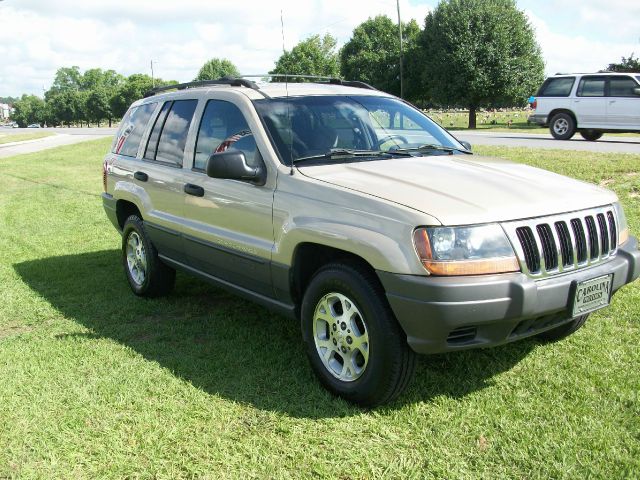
{"type": "Point", "coordinates": [534, 105]}
{"type": "Point", "coordinates": [104, 174]}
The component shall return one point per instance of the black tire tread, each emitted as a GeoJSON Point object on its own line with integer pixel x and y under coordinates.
{"type": "Point", "coordinates": [161, 277]}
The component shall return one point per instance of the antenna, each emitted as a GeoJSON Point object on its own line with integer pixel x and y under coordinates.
{"type": "Point", "coordinates": [286, 87]}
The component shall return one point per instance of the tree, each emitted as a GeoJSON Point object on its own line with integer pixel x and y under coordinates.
{"type": "Point", "coordinates": [477, 53]}
{"type": "Point", "coordinates": [67, 78]}
{"type": "Point", "coordinates": [97, 105]}
{"type": "Point", "coordinates": [217, 68]}
{"type": "Point", "coordinates": [66, 106]}
{"type": "Point", "coordinates": [313, 56]}
{"type": "Point", "coordinates": [372, 55]}
{"type": "Point", "coordinates": [28, 109]}
{"type": "Point", "coordinates": [133, 88]}
{"type": "Point", "coordinates": [630, 64]}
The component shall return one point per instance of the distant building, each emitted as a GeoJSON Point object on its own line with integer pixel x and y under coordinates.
{"type": "Point", "coordinates": [5, 111]}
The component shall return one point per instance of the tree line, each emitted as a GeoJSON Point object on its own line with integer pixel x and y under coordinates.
{"type": "Point", "coordinates": [469, 53]}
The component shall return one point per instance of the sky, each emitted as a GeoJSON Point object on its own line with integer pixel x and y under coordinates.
{"type": "Point", "coordinates": [39, 36]}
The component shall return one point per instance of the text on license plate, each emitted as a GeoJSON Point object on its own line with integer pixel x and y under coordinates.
{"type": "Point", "coordinates": [592, 294]}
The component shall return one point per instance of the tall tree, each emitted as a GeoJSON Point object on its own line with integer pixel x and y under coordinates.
{"type": "Point", "coordinates": [372, 55]}
{"type": "Point", "coordinates": [217, 68]}
{"type": "Point", "coordinates": [67, 78]}
{"type": "Point", "coordinates": [479, 53]}
{"type": "Point", "coordinates": [629, 64]}
{"type": "Point", "coordinates": [313, 56]}
{"type": "Point", "coordinates": [133, 88]}
{"type": "Point", "coordinates": [28, 109]}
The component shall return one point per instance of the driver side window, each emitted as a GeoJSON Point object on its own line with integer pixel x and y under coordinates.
{"type": "Point", "coordinates": [223, 127]}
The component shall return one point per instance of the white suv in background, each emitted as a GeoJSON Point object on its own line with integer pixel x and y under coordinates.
{"type": "Point", "coordinates": [591, 104]}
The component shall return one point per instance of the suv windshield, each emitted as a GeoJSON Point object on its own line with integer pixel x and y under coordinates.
{"type": "Point", "coordinates": [338, 126]}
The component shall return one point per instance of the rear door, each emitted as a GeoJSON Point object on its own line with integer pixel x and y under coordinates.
{"type": "Point", "coordinates": [623, 104]}
{"type": "Point", "coordinates": [161, 176]}
{"type": "Point", "coordinates": [590, 104]}
{"type": "Point", "coordinates": [228, 227]}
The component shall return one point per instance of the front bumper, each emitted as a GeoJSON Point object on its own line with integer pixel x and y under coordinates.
{"type": "Point", "coordinates": [538, 118]}
{"type": "Point", "coordinates": [441, 314]}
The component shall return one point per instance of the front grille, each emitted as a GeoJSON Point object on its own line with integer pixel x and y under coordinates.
{"type": "Point", "coordinates": [559, 243]}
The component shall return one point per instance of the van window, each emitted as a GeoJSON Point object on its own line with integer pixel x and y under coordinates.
{"type": "Point", "coordinates": [173, 124]}
{"type": "Point", "coordinates": [591, 87]}
{"type": "Point", "coordinates": [557, 87]}
{"type": "Point", "coordinates": [131, 129]}
{"type": "Point", "coordinates": [622, 87]}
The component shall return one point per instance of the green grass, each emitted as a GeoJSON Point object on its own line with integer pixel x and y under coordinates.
{"type": "Point", "coordinates": [21, 137]}
{"type": "Point", "coordinates": [96, 383]}
{"type": "Point", "coordinates": [514, 121]}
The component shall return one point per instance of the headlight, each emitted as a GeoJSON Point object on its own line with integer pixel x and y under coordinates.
{"type": "Point", "coordinates": [623, 227]}
{"type": "Point", "coordinates": [465, 250]}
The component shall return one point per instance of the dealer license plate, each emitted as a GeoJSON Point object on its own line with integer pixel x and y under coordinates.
{"type": "Point", "coordinates": [592, 294]}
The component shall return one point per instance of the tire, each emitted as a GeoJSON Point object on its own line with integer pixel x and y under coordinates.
{"type": "Point", "coordinates": [562, 126]}
{"type": "Point", "coordinates": [145, 272]}
{"type": "Point", "coordinates": [591, 135]}
{"type": "Point", "coordinates": [370, 341]}
{"type": "Point", "coordinates": [564, 330]}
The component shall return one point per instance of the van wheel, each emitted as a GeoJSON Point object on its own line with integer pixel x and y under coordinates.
{"type": "Point", "coordinates": [353, 341]}
{"type": "Point", "coordinates": [146, 274]}
{"type": "Point", "coordinates": [562, 126]}
{"type": "Point", "coordinates": [591, 135]}
{"type": "Point", "coordinates": [564, 330]}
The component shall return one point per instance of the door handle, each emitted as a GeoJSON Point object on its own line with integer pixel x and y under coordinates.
{"type": "Point", "coordinates": [195, 190]}
{"type": "Point", "coordinates": [143, 177]}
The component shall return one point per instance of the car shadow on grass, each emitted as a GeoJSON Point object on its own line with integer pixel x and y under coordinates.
{"type": "Point", "coordinates": [226, 345]}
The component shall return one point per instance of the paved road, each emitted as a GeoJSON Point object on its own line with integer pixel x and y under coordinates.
{"type": "Point", "coordinates": [532, 140]}
{"type": "Point", "coordinates": [9, 150]}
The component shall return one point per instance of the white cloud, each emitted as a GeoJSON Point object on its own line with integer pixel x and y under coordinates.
{"type": "Point", "coordinates": [577, 53]}
{"type": "Point", "coordinates": [38, 36]}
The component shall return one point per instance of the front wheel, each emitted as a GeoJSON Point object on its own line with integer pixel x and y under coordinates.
{"type": "Point", "coordinates": [562, 126]}
{"type": "Point", "coordinates": [563, 331]}
{"type": "Point", "coordinates": [590, 135]}
{"type": "Point", "coordinates": [353, 341]}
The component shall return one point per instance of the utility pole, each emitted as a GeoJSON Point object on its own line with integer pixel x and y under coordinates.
{"type": "Point", "coordinates": [400, 33]}
{"type": "Point", "coordinates": [153, 82]}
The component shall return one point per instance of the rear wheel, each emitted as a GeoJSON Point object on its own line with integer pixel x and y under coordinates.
{"type": "Point", "coordinates": [146, 274]}
{"type": "Point", "coordinates": [591, 135]}
{"type": "Point", "coordinates": [353, 341]}
{"type": "Point", "coordinates": [564, 330]}
{"type": "Point", "coordinates": [562, 126]}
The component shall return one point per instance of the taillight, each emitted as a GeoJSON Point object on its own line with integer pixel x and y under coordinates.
{"type": "Point", "coordinates": [104, 174]}
{"type": "Point", "coordinates": [534, 105]}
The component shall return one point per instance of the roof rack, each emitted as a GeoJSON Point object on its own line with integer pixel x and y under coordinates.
{"type": "Point", "coordinates": [232, 81]}
{"type": "Point", "coordinates": [243, 82]}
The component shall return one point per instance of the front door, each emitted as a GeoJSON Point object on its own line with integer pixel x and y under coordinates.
{"type": "Point", "coordinates": [623, 104]}
{"type": "Point", "coordinates": [228, 228]}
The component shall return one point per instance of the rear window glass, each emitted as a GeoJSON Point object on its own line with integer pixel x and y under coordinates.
{"type": "Point", "coordinates": [173, 127]}
{"type": "Point", "coordinates": [622, 87]}
{"type": "Point", "coordinates": [557, 87]}
{"type": "Point", "coordinates": [132, 127]}
{"type": "Point", "coordinates": [591, 87]}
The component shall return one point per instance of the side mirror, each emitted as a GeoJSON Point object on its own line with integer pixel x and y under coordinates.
{"type": "Point", "coordinates": [636, 90]}
{"type": "Point", "coordinates": [232, 165]}
{"type": "Point", "coordinates": [466, 145]}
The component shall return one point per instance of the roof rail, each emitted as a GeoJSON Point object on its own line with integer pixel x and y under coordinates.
{"type": "Point", "coordinates": [233, 81]}
{"type": "Point", "coordinates": [330, 80]}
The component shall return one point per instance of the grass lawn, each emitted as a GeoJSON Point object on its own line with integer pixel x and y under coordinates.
{"type": "Point", "coordinates": [509, 121]}
{"type": "Point", "coordinates": [21, 137]}
{"type": "Point", "coordinates": [96, 383]}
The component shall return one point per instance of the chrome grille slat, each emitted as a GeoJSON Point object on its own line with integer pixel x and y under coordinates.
{"type": "Point", "coordinates": [556, 244]}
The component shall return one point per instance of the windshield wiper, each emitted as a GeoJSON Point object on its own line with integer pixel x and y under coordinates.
{"type": "Point", "coordinates": [337, 153]}
{"type": "Point", "coordinates": [427, 147]}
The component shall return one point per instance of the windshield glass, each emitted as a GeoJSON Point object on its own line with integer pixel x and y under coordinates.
{"type": "Point", "coordinates": [303, 127]}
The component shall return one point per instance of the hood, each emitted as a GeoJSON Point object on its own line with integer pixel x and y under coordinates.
{"type": "Point", "coordinates": [464, 189]}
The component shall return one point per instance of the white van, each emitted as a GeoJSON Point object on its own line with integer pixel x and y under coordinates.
{"type": "Point", "coordinates": [592, 104]}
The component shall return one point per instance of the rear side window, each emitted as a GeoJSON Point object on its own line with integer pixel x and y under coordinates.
{"type": "Point", "coordinates": [132, 127]}
{"type": "Point", "coordinates": [557, 87]}
{"type": "Point", "coordinates": [169, 135]}
{"type": "Point", "coordinates": [591, 87]}
{"type": "Point", "coordinates": [622, 87]}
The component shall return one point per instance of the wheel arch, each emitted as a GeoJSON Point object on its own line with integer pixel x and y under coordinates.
{"type": "Point", "coordinates": [124, 209]}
